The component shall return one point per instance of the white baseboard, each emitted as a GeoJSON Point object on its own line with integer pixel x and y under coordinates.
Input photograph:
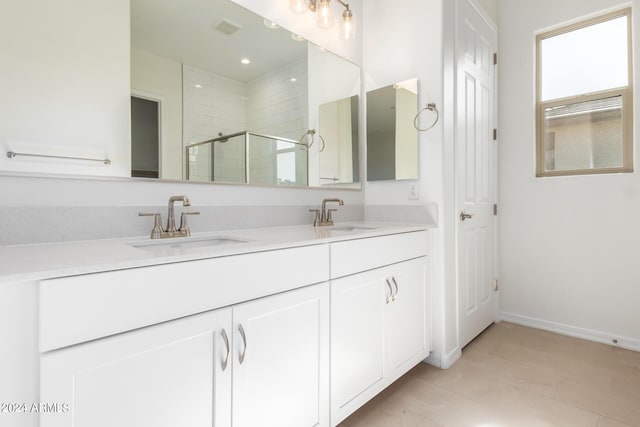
{"type": "Point", "coordinates": [443, 361]}
{"type": "Point", "coordinates": [433, 360]}
{"type": "Point", "coordinates": [573, 331]}
{"type": "Point", "coordinates": [448, 360]}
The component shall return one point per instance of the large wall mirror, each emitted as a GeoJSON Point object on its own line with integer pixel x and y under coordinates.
{"type": "Point", "coordinates": [220, 94]}
{"type": "Point", "coordinates": [392, 139]}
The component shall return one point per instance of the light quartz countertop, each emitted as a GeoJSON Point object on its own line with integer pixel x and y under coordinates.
{"type": "Point", "coordinates": [23, 263]}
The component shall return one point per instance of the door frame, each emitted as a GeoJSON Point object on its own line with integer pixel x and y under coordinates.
{"type": "Point", "coordinates": [162, 120]}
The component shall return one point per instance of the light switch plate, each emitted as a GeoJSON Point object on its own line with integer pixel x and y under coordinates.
{"type": "Point", "coordinates": [414, 194]}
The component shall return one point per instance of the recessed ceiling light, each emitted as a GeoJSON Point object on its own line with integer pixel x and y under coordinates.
{"type": "Point", "coordinates": [198, 86]}
{"type": "Point", "coordinates": [293, 80]}
{"type": "Point", "coordinates": [245, 61]}
{"type": "Point", "coordinates": [270, 24]}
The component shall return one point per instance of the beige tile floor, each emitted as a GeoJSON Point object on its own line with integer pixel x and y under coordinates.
{"type": "Point", "coordinates": [513, 376]}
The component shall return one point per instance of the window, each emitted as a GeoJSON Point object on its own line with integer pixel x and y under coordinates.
{"type": "Point", "coordinates": [584, 97]}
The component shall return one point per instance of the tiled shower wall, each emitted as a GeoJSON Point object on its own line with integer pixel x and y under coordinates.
{"type": "Point", "coordinates": [277, 102]}
{"type": "Point", "coordinates": [273, 104]}
{"type": "Point", "coordinates": [212, 104]}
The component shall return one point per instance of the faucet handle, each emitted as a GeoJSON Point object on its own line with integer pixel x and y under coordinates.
{"type": "Point", "coordinates": [329, 211]}
{"type": "Point", "coordinates": [157, 224]}
{"type": "Point", "coordinates": [184, 225]}
{"type": "Point", "coordinates": [316, 220]}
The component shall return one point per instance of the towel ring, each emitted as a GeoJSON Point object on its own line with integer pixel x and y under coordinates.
{"type": "Point", "coordinates": [431, 107]}
{"type": "Point", "coordinates": [312, 134]}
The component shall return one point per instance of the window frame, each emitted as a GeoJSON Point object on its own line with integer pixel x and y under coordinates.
{"type": "Point", "coordinates": [626, 92]}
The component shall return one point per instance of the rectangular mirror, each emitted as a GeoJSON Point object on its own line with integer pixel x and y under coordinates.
{"type": "Point", "coordinates": [177, 66]}
{"type": "Point", "coordinates": [236, 97]}
{"type": "Point", "coordinates": [339, 125]}
{"type": "Point", "coordinates": [392, 139]}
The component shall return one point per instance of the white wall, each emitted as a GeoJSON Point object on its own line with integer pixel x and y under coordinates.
{"type": "Point", "coordinates": [569, 245]}
{"type": "Point", "coordinates": [277, 106]}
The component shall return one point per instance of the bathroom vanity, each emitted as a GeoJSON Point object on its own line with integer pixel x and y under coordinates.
{"type": "Point", "coordinates": [295, 326]}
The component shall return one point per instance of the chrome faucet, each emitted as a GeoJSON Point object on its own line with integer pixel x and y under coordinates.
{"type": "Point", "coordinates": [323, 217]}
{"type": "Point", "coordinates": [183, 231]}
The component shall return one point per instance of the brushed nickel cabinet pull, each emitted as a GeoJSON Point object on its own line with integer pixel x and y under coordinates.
{"type": "Point", "coordinates": [393, 297]}
{"type": "Point", "coordinates": [226, 344]}
{"type": "Point", "coordinates": [390, 292]}
{"type": "Point", "coordinates": [244, 341]}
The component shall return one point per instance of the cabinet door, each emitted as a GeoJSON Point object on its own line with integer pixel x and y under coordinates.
{"type": "Point", "coordinates": [165, 375]}
{"type": "Point", "coordinates": [357, 340]}
{"type": "Point", "coordinates": [405, 318]}
{"type": "Point", "coordinates": [280, 360]}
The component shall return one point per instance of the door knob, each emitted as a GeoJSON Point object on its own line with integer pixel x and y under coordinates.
{"type": "Point", "coordinates": [464, 215]}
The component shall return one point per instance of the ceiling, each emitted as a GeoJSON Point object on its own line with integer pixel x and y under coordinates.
{"type": "Point", "coordinates": [185, 31]}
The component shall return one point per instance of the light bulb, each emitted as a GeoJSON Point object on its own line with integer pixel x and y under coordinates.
{"type": "Point", "coordinates": [347, 26]}
{"type": "Point", "coordinates": [325, 17]}
{"type": "Point", "coordinates": [298, 6]}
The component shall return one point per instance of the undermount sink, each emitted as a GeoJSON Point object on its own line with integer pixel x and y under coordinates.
{"type": "Point", "coordinates": [183, 245]}
{"type": "Point", "coordinates": [350, 228]}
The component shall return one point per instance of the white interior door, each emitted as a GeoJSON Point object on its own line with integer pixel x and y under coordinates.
{"type": "Point", "coordinates": [476, 164]}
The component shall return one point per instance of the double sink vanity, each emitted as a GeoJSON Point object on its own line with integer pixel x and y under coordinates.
{"type": "Point", "coordinates": [290, 326]}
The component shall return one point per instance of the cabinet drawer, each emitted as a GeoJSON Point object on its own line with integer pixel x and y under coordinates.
{"type": "Point", "coordinates": [354, 256]}
{"type": "Point", "coordinates": [81, 308]}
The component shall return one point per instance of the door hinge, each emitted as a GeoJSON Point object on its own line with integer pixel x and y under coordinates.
{"type": "Point", "coordinates": [495, 58]}
{"type": "Point", "coordinates": [496, 285]}
{"type": "Point", "coordinates": [495, 134]}
{"type": "Point", "coordinates": [495, 209]}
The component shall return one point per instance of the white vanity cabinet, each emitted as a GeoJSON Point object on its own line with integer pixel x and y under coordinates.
{"type": "Point", "coordinates": [406, 321]}
{"type": "Point", "coordinates": [235, 341]}
{"type": "Point", "coordinates": [379, 323]}
{"type": "Point", "coordinates": [281, 360]}
{"type": "Point", "coordinates": [268, 355]}
{"type": "Point", "coordinates": [163, 376]}
{"type": "Point", "coordinates": [273, 367]}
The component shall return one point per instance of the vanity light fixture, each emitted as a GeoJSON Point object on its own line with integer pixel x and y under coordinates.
{"type": "Point", "coordinates": [298, 6]}
{"type": "Point", "coordinates": [348, 25]}
{"type": "Point", "coordinates": [325, 15]}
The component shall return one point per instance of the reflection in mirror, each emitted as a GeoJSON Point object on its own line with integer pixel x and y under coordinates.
{"type": "Point", "coordinates": [392, 140]}
{"type": "Point", "coordinates": [235, 94]}
{"type": "Point", "coordinates": [339, 125]}
{"type": "Point", "coordinates": [246, 157]}
{"type": "Point", "coordinates": [145, 137]}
